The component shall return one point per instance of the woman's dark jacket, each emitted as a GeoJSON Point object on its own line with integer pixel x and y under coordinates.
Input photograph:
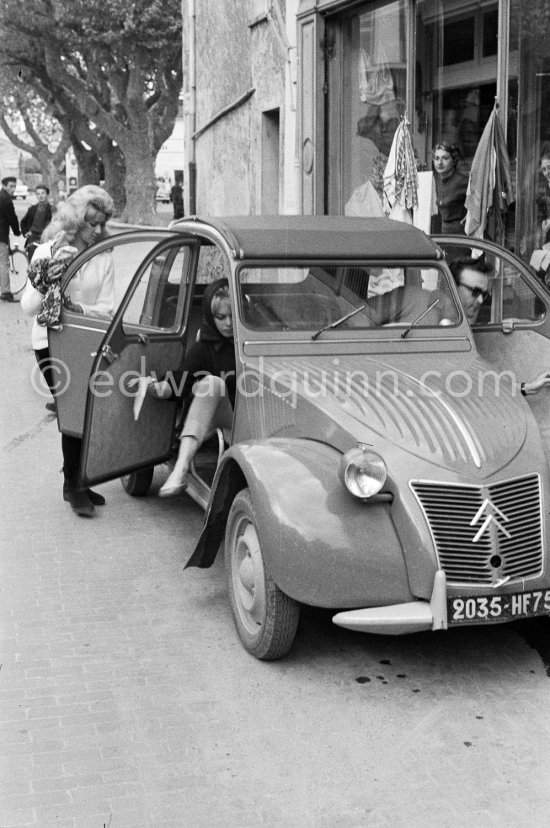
{"type": "Point", "coordinates": [212, 354]}
{"type": "Point", "coordinates": [450, 198]}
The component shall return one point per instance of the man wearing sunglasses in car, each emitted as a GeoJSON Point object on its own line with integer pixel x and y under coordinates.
{"type": "Point", "coordinates": [472, 281]}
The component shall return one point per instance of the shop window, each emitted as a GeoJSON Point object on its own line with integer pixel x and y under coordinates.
{"type": "Point", "coordinates": [458, 41]}
{"type": "Point", "coordinates": [366, 85]}
{"type": "Point", "coordinates": [490, 34]}
{"type": "Point", "coordinates": [456, 74]}
{"type": "Point", "coordinates": [530, 74]}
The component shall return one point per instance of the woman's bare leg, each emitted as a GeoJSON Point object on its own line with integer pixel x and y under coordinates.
{"type": "Point", "coordinates": [209, 408]}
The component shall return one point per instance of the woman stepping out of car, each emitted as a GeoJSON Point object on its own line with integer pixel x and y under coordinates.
{"type": "Point", "coordinates": [208, 377]}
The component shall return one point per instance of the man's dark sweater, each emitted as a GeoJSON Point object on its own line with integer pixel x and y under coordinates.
{"type": "Point", "coordinates": [8, 218]}
{"type": "Point", "coordinates": [35, 220]}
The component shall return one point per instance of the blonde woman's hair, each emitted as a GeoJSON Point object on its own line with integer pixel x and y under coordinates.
{"type": "Point", "coordinates": [70, 215]}
{"type": "Point", "coordinates": [219, 296]}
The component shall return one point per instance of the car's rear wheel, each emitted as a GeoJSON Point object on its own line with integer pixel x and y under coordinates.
{"type": "Point", "coordinates": [266, 619]}
{"type": "Point", "coordinates": [138, 483]}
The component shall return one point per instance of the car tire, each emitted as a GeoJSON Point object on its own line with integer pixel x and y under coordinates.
{"type": "Point", "coordinates": [138, 483]}
{"type": "Point", "coordinates": [265, 618]}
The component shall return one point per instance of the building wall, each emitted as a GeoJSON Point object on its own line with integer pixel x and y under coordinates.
{"type": "Point", "coordinates": [268, 73]}
{"type": "Point", "coordinates": [10, 158]}
{"type": "Point", "coordinates": [235, 53]}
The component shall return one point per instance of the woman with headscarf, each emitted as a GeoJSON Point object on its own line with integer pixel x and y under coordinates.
{"type": "Point", "coordinates": [208, 377]}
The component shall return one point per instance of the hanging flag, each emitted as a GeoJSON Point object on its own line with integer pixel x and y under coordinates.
{"type": "Point", "coordinates": [490, 190]}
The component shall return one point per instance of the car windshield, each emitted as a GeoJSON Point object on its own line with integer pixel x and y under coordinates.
{"type": "Point", "coordinates": [301, 298]}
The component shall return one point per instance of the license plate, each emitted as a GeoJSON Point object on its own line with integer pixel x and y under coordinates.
{"type": "Point", "coordinates": [495, 608]}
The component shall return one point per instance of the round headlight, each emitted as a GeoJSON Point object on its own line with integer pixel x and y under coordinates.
{"type": "Point", "coordinates": [363, 472]}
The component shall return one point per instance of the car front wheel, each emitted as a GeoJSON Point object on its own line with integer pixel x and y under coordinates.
{"type": "Point", "coordinates": [138, 483]}
{"type": "Point", "coordinates": [266, 619]}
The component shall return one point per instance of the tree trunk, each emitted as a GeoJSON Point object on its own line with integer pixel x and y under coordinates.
{"type": "Point", "coordinates": [115, 176]}
{"type": "Point", "coordinates": [88, 163]}
{"type": "Point", "coordinates": [49, 165]}
{"type": "Point", "coordinates": [141, 187]}
{"type": "Point", "coordinates": [51, 179]}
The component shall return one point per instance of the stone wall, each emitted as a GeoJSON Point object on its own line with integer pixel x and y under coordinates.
{"type": "Point", "coordinates": [235, 53]}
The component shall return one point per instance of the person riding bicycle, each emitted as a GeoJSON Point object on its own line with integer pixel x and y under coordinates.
{"type": "Point", "coordinates": [8, 220]}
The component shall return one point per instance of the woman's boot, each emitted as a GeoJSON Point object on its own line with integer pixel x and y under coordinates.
{"type": "Point", "coordinates": [78, 499]}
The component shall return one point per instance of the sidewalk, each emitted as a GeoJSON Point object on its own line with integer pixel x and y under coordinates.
{"type": "Point", "coordinates": [95, 676]}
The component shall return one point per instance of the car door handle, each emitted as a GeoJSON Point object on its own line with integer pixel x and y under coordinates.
{"type": "Point", "coordinates": [108, 354]}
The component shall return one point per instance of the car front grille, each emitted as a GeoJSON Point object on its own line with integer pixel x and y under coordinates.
{"type": "Point", "coordinates": [485, 534]}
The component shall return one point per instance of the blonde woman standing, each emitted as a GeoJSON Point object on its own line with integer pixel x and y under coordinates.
{"type": "Point", "coordinates": [79, 222]}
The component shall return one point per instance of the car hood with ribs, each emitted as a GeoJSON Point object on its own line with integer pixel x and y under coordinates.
{"type": "Point", "coordinates": [461, 419]}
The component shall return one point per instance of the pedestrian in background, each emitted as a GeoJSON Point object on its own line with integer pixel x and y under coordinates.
{"type": "Point", "coordinates": [450, 188]}
{"type": "Point", "coordinates": [78, 222]}
{"type": "Point", "coordinates": [176, 197]}
{"type": "Point", "coordinates": [8, 220]}
{"type": "Point", "coordinates": [36, 219]}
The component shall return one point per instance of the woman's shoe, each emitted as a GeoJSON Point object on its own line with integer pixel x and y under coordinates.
{"type": "Point", "coordinates": [173, 486]}
{"type": "Point", "coordinates": [78, 499]}
{"type": "Point", "coordinates": [79, 502]}
{"type": "Point", "coordinates": [95, 498]}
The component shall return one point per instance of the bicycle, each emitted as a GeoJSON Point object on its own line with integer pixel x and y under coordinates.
{"type": "Point", "coordinates": [18, 270]}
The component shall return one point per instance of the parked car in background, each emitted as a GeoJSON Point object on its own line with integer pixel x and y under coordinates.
{"type": "Point", "coordinates": [21, 190]}
{"type": "Point", "coordinates": [382, 461]}
{"type": "Point", "coordinates": [163, 191]}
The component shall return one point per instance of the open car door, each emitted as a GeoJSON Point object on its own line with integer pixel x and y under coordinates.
{"type": "Point", "coordinates": [512, 332]}
{"type": "Point", "coordinates": [147, 337]}
{"type": "Point", "coordinates": [76, 341]}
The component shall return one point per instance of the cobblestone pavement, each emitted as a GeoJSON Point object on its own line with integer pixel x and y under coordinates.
{"type": "Point", "coordinates": [126, 700]}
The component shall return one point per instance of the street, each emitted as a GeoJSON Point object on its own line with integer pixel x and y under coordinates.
{"type": "Point", "coordinates": [128, 701]}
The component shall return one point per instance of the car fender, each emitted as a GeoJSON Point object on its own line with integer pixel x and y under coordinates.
{"type": "Point", "coordinates": [321, 545]}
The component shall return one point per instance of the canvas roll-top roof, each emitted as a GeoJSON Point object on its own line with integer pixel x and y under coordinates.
{"type": "Point", "coordinates": [317, 237]}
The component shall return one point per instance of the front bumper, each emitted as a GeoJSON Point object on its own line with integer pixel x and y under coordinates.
{"type": "Point", "coordinates": [398, 619]}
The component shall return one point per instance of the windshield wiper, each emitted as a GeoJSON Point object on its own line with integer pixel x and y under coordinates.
{"type": "Point", "coordinates": [338, 322]}
{"type": "Point", "coordinates": [418, 318]}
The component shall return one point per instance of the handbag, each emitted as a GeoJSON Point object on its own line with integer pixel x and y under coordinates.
{"type": "Point", "coordinates": [45, 276]}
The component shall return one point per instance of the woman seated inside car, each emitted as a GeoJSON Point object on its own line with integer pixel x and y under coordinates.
{"type": "Point", "coordinates": [208, 378]}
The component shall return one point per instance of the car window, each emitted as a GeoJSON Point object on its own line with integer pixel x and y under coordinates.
{"type": "Point", "coordinates": [511, 296]}
{"type": "Point", "coordinates": [306, 298]}
{"type": "Point", "coordinates": [160, 293]}
{"type": "Point", "coordinates": [212, 265]}
{"type": "Point", "coordinates": [127, 257]}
